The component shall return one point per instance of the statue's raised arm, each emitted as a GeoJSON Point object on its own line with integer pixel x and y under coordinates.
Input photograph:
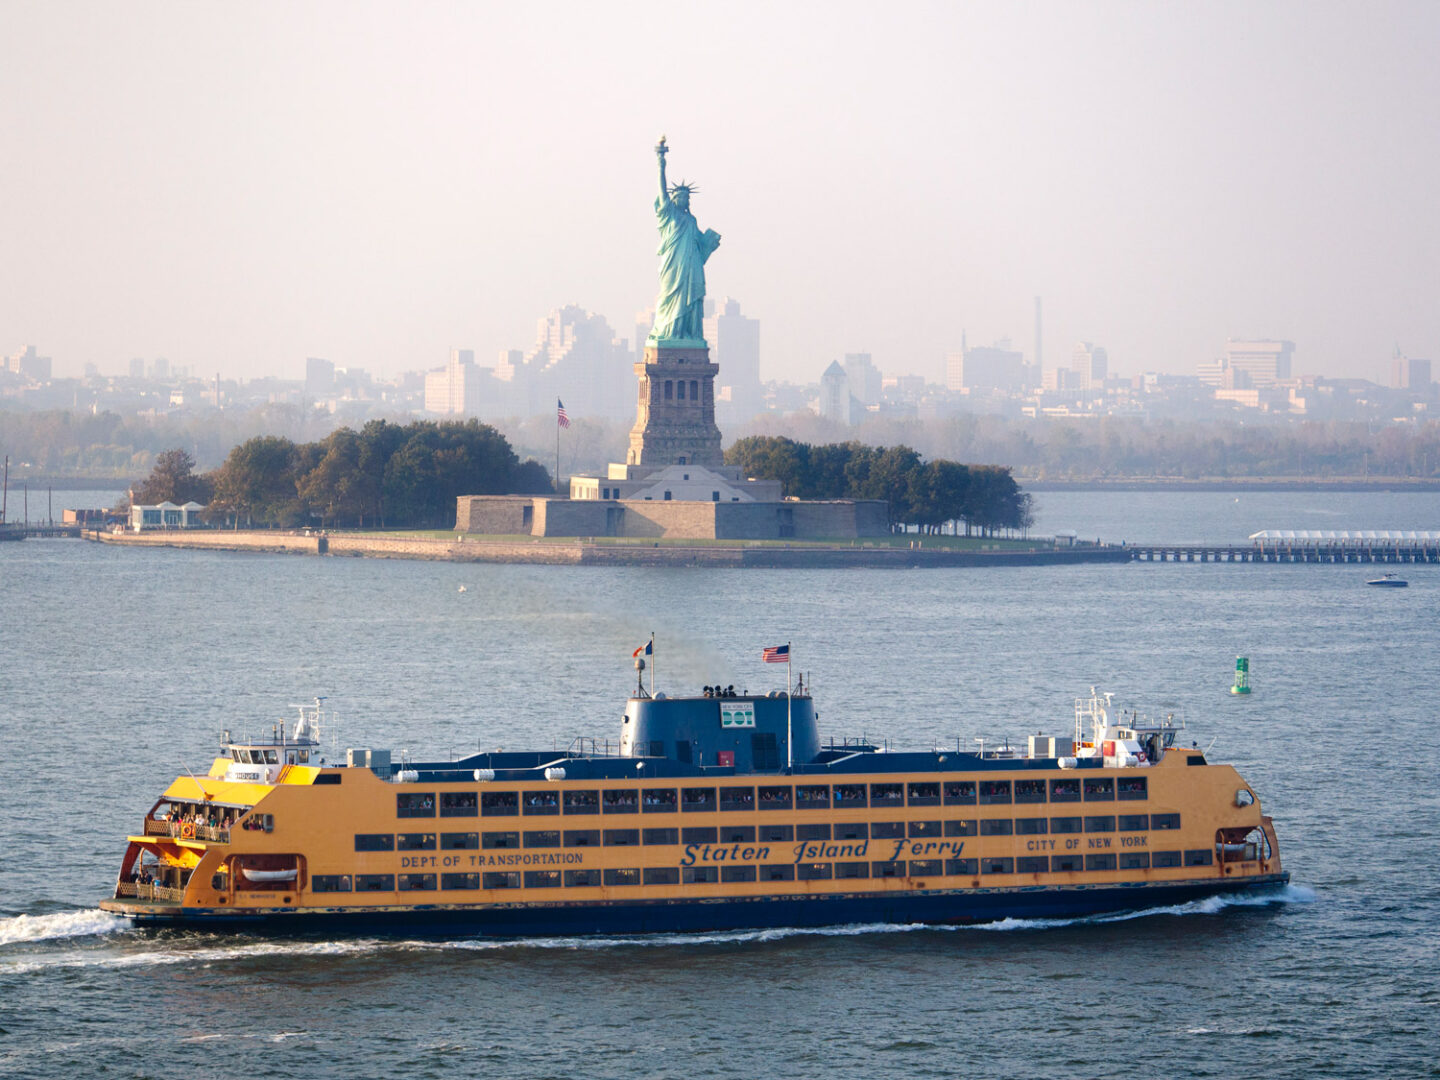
{"type": "Point", "coordinates": [680, 309]}
{"type": "Point", "coordinates": [660, 151]}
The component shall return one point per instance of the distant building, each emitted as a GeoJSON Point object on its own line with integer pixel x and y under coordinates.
{"type": "Point", "coordinates": [1410, 373]}
{"type": "Point", "coordinates": [319, 377]}
{"type": "Point", "coordinates": [990, 367]}
{"type": "Point", "coordinates": [456, 389]}
{"type": "Point", "coordinates": [1090, 363]}
{"type": "Point", "coordinates": [866, 382]}
{"type": "Point", "coordinates": [1265, 362]}
{"type": "Point", "coordinates": [734, 341]}
{"type": "Point", "coordinates": [577, 357]}
{"type": "Point", "coordinates": [28, 363]}
{"type": "Point", "coordinates": [137, 367]}
{"type": "Point", "coordinates": [166, 515]}
{"type": "Point", "coordinates": [160, 369]}
{"type": "Point", "coordinates": [835, 393]}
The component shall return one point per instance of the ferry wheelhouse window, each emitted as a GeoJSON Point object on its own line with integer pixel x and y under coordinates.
{"type": "Point", "coordinates": [962, 867]}
{"type": "Point", "coordinates": [415, 841]}
{"type": "Point", "coordinates": [775, 798]}
{"type": "Point", "coordinates": [812, 796]}
{"type": "Point", "coordinates": [819, 871]}
{"type": "Point", "coordinates": [887, 830]}
{"type": "Point", "coordinates": [415, 804]}
{"type": "Point", "coordinates": [1032, 864]}
{"type": "Point", "coordinates": [1066, 864]}
{"type": "Point", "coordinates": [959, 792]}
{"type": "Point", "coordinates": [620, 800]}
{"type": "Point", "coordinates": [778, 834]}
{"type": "Point", "coordinates": [1134, 860]}
{"type": "Point", "coordinates": [542, 879]}
{"type": "Point", "coordinates": [542, 838]}
{"type": "Point", "coordinates": [852, 870]}
{"type": "Point", "coordinates": [1031, 826]}
{"type": "Point", "coordinates": [737, 873]}
{"type": "Point", "coordinates": [852, 831]}
{"type": "Point", "coordinates": [459, 841]}
{"type": "Point", "coordinates": [997, 827]}
{"type": "Point", "coordinates": [662, 836]}
{"type": "Point", "coordinates": [458, 803]}
{"type": "Point", "coordinates": [582, 837]}
{"type": "Point", "coordinates": [697, 799]}
{"type": "Point", "coordinates": [417, 882]}
{"type": "Point", "coordinates": [922, 829]}
{"type": "Point", "coordinates": [997, 866]}
{"type": "Point", "coordinates": [499, 840]}
{"type": "Point", "coordinates": [374, 841]}
{"type": "Point", "coordinates": [771, 872]}
{"type": "Point", "coordinates": [700, 834]}
{"type": "Point", "coordinates": [499, 803]}
{"type": "Point", "coordinates": [1099, 862]}
{"type": "Point", "coordinates": [887, 794]}
{"type": "Point", "coordinates": [1100, 823]}
{"type": "Point", "coordinates": [1065, 825]}
{"type": "Point", "coordinates": [1134, 822]}
{"type": "Point", "coordinates": [1029, 791]}
{"type": "Point", "coordinates": [374, 882]}
{"type": "Point", "coordinates": [1163, 859]}
{"type": "Point", "coordinates": [459, 881]}
{"type": "Point", "coordinates": [692, 875]}
{"type": "Point", "coordinates": [1132, 787]}
{"type": "Point", "coordinates": [812, 832]}
{"type": "Point", "coordinates": [582, 802]}
{"type": "Point", "coordinates": [1065, 790]}
{"type": "Point", "coordinates": [583, 878]}
{"type": "Point", "coordinates": [960, 828]}
{"type": "Point", "coordinates": [622, 837]}
{"type": "Point", "coordinates": [541, 802]}
{"type": "Point", "coordinates": [330, 883]}
{"type": "Point", "coordinates": [1099, 788]}
{"type": "Point", "coordinates": [737, 798]}
{"type": "Point", "coordinates": [1164, 821]}
{"type": "Point", "coordinates": [737, 834]}
{"type": "Point", "coordinates": [994, 791]}
{"type": "Point", "coordinates": [658, 800]}
{"type": "Point", "coordinates": [662, 875]}
{"type": "Point", "coordinates": [849, 795]}
{"type": "Point", "coordinates": [509, 879]}
{"type": "Point", "coordinates": [924, 794]}
{"type": "Point", "coordinates": [764, 753]}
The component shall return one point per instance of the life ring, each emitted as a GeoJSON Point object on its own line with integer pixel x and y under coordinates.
{"type": "Point", "coordinates": [187, 831]}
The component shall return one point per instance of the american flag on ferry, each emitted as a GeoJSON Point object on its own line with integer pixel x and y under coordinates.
{"type": "Point", "coordinates": [776, 654]}
{"type": "Point", "coordinates": [560, 417]}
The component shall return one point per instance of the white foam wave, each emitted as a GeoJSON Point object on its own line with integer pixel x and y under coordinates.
{"type": "Point", "coordinates": [68, 924]}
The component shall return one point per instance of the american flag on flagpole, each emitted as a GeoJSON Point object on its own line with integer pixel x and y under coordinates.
{"type": "Point", "coordinates": [776, 654]}
{"type": "Point", "coordinates": [560, 417]}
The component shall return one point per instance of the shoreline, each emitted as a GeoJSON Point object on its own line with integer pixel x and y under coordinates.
{"type": "Point", "coordinates": [1257, 483]}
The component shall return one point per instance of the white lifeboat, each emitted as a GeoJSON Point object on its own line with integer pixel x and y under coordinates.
{"type": "Point", "coordinates": [268, 875]}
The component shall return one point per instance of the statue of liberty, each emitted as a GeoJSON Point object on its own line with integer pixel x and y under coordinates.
{"type": "Point", "coordinates": [680, 309]}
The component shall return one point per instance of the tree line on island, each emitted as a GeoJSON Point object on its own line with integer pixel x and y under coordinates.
{"type": "Point", "coordinates": [929, 495]}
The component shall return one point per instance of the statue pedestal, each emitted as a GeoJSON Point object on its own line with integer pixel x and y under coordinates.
{"type": "Point", "coordinates": [675, 415]}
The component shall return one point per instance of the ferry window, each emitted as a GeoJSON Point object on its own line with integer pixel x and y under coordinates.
{"type": "Point", "coordinates": [774, 798]}
{"type": "Point", "coordinates": [1065, 864]}
{"type": "Point", "coordinates": [582, 878]}
{"type": "Point", "coordinates": [374, 882]}
{"type": "Point", "coordinates": [1164, 821]}
{"type": "Point", "coordinates": [542, 838]}
{"type": "Point", "coordinates": [582, 802]}
{"type": "Point", "coordinates": [582, 837]}
{"type": "Point", "coordinates": [890, 868]}
{"type": "Point", "coordinates": [772, 872]}
{"type": "Point", "coordinates": [1031, 826]}
{"type": "Point", "coordinates": [622, 837]}
{"type": "Point", "coordinates": [682, 746]}
{"type": "Point", "coordinates": [1163, 859]}
{"type": "Point", "coordinates": [764, 753]}
{"type": "Point", "coordinates": [328, 778]}
{"type": "Point", "coordinates": [417, 882]}
{"type": "Point", "coordinates": [997, 866]}
{"type": "Point", "coordinates": [699, 874]}
{"type": "Point", "coordinates": [1064, 825]}
{"type": "Point", "coordinates": [662, 836]}
{"type": "Point", "coordinates": [700, 834]}
{"type": "Point", "coordinates": [662, 875]}
{"type": "Point", "coordinates": [271, 758]}
{"type": "Point", "coordinates": [737, 834]}
{"type": "Point", "coordinates": [458, 803]}
{"type": "Point", "coordinates": [850, 794]}
{"type": "Point", "coordinates": [459, 841]}
{"type": "Point", "coordinates": [812, 797]}
{"type": "Point", "coordinates": [1099, 787]}
{"type": "Point", "coordinates": [415, 841]}
{"type": "Point", "coordinates": [924, 794]}
{"type": "Point", "coordinates": [697, 798]}
{"type": "Point", "coordinates": [499, 840]}
{"type": "Point", "coordinates": [330, 883]}
{"type": "Point", "coordinates": [959, 793]}
{"type": "Point", "coordinates": [658, 800]}
{"type": "Point", "coordinates": [920, 829]}
{"type": "Point", "coordinates": [657, 748]}
{"type": "Point", "coordinates": [812, 832]}
{"type": "Point", "coordinates": [737, 798]}
{"type": "Point", "coordinates": [853, 831]}
{"type": "Point", "coordinates": [819, 871]}
{"type": "Point", "coordinates": [1132, 787]}
{"type": "Point", "coordinates": [887, 794]}
{"type": "Point", "coordinates": [459, 881]}
{"type": "Point", "coordinates": [304, 756]}
{"type": "Point", "coordinates": [541, 802]}
{"type": "Point", "coordinates": [542, 879]}
{"type": "Point", "coordinates": [1199, 857]}
{"type": "Point", "coordinates": [1134, 860]}
{"type": "Point", "coordinates": [994, 791]}
{"type": "Point", "coordinates": [960, 828]}
{"type": "Point", "coordinates": [852, 870]}
{"type": "Point", "coordinates": [415, 804]}
{"type": "Point", "coordinates": [737, 873]}
{"type": "Point", "coordinates": [1029, 791]}
{"type": "Point", "coordinates": [501, 880]}
{"type": "Point", "coordinates": [620, 800]}
{"type": "Point", "coordinates": [1064, 790]}
{"type": "Point", "coordinates": [780, 834]}
{"type": "Point", "coordinates": [374, 842]}
{"type": "Point", "coordinates": [925, 867]}
{"type": "Point", "coordinates": [1100, 823]}
{"type": "Point", "coordinates": [996, 827]}
{"type": "Point", "coordinates": [887, 830]}
{"type": "Point", "coordinates": [1099, 862]}
{"type": "Point", "coordinates": [1134, 822]}
{"type": "Point", "coordinates": [499, 804]}
{"type": "Point", "coordinates": [1032, 864]}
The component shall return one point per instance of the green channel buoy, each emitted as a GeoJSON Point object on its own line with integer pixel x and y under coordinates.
{"type": "Point", "coordinates": [1242, 676]}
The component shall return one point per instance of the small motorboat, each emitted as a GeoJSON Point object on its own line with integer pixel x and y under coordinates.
{"type": "Point", "coordinates": [1392, 581]}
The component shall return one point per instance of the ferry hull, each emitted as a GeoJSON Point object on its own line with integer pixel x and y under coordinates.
{"type": "Point", "coordinates": [619, 918]}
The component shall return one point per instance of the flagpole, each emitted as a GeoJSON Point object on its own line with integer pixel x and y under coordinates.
{"type": "Point", "coordinates": [652, 664]}
{"type": "Point", "coordinates": [789, 729]}
{"type": "Point", "coordinates": [557, 448]}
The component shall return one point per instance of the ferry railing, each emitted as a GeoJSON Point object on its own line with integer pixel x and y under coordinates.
{"type": "Point", "coordinates": [187, 830]}
{"type": "Point", "coordinates": [142, 891]}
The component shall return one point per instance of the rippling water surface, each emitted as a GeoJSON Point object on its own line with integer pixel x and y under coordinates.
{"type": "Point", "coordinates": [121, 667]}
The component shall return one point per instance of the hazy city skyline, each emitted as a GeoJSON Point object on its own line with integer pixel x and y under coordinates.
{"type": "Point", "coordinates": [378, 185]}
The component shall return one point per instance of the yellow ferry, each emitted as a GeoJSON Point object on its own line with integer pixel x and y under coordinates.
{"type": "Point", "coordinates": [717, 811]}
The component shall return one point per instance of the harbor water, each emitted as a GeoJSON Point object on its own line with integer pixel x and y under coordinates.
{"type": "Point", "coordinates": [119, 668]}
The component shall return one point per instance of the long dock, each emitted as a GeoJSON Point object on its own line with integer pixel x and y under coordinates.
{"type": "Point", "coordinates": [1420, 551]}
{"type": "Point", "coordinates": [18, 531]}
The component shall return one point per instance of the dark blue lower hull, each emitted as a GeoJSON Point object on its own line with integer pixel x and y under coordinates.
{"type": "Point", "coordinates": [730, 913]}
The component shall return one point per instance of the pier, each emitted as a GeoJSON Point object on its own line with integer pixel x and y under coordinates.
{"type": "Point", "coordinates": [1297, 546]}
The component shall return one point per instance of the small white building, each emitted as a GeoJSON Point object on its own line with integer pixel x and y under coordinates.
{"type": "Point", "coordinates": [166, 515]}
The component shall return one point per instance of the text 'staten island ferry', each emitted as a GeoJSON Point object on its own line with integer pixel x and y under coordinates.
{"type": "Point", "coordinates": [715, 812]}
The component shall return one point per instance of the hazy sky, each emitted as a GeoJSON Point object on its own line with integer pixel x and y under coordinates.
{"type": "Point", "coordinates": [238, 186]}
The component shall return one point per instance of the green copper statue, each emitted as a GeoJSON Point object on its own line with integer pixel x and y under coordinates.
{"type": "Point", "coordinates": [680, 309]}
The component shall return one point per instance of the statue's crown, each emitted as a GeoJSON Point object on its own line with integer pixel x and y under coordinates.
{"type": "Point", "coordinates": [684, 186]}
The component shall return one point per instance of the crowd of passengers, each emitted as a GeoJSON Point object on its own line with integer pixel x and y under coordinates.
{"type": "Point", "coordinates": [721, 691]}
{"type": "Point", "coordinates": [193, 814]}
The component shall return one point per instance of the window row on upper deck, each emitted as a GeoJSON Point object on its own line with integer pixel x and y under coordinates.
{"type": "Point", "coordinates": [540, 802]}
